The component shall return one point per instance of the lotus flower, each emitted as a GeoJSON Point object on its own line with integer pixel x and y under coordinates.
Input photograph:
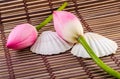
{"type": "Point", "coordinates": [25, 35]}
{"type": "Point", "coordinates": [22, 36]}
{"type": "Point", "coordinates": [68, 26]}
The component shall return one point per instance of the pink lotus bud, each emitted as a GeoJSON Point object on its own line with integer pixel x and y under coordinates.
{"type": "Point", "coordinates": [22, 36]}
{"type": "Point", "coordinates": [67, 25]}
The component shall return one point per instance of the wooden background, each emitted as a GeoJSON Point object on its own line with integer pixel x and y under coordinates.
{"type": "Point", "coordinates": [100, 16]}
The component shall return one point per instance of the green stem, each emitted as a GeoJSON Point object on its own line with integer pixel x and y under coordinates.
{"type": "Point", "coordinates": [98, 61]}
{"type": "Point", "coordinates": [47, 20]}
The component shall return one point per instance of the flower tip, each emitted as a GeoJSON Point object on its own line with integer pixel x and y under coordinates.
{"type": "Point", "coordinates": [15, 46]}
{"type": "Point", "coordinates": [59, 13]}
{"type": "Point", "coordinates": [9, 45]}
{"type": "Point", "coordinates": [55, 13]}
{"type": "Point", "coordinates": [12, 45]}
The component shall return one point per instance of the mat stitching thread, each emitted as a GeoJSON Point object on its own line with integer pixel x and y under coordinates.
{"type": "Point", "coordinates": [90, 30]}
{"type": "Point", "coordinates": [81, 18]}
{"type": "Point", "coordinates": [82, 63]}
{"type": "Point", "coordinates": [50, 5]}
{"type": "Point", "coordinates": [7, 54]}
{"type": "Point", "coordinates": [47, 65]}
{"type": "Point", "coordinates": [26, 10]}
{"type": "Point", "coordinates": [115, 58]}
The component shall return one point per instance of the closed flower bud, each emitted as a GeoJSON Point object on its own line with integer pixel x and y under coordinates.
{"type": "Point", "coordinates": [67, 25]}
{"type": "Point", "coordinates": [22, 36]}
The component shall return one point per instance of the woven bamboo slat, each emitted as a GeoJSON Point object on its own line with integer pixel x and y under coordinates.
{"type": "Point", "coordinates": [100, 16]}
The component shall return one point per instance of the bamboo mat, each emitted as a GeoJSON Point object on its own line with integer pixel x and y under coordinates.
{"type": "Point", "coordinates": [100, 16]}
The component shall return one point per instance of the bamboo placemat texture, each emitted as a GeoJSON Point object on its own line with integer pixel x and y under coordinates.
{"type": "Point", "coordinates": [100, 16]}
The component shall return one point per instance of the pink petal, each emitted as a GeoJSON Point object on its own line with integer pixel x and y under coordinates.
{"type": "Point", "coordinates": [61, 18]}
{"type": "Point", "coordinates": [22, 36]}
{"type": "Point", "coordinates": [67, 25]}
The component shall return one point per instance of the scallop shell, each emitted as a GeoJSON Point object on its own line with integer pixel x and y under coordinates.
{"type": "Point", "coordinates": [101, 45]}
{"type": "Point", "coordinates": [50, 43]}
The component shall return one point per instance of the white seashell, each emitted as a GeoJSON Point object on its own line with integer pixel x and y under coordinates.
{"type": "Point", "coordinates": [101, 45]}
{"type": "Point", "coordinates": [50, 43]}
